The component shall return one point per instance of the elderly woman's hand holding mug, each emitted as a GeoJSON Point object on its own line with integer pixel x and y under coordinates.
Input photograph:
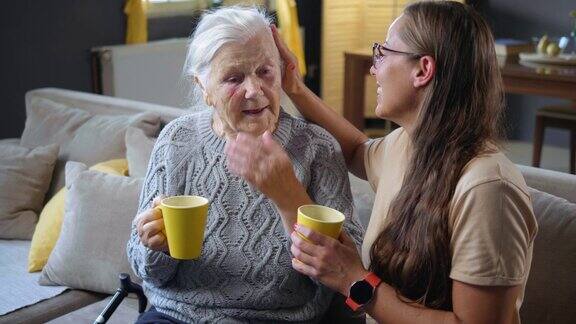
{"type": "Point", "coordinates": [150, 224]}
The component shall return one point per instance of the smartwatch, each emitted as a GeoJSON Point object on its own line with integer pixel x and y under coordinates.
{"type": "Point", "coordinates": [362, 291]}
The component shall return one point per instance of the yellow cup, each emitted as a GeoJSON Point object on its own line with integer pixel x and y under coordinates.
{"type": "Point", "coordinates": [321, 219]}
{"type": "Point", "coordinates": [184, 223]}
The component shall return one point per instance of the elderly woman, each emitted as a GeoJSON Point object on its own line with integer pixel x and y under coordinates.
{"type": "Point", "coordinates": [245, 271]}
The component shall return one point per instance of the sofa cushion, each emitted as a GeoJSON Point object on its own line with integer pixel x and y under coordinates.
{"type": "Point", "coordinates": [18, 287]}
{"type": "Point", "coordinates": [50, 222]}
{"type": "Point", "coordinates": [83, 137]}
{"type": "Point", "coordinates": [91, 249]}
{"type": "Point", "coordinates": [138, 150]}
{"type": "Point", "coordinates": [551, 286]}
{"type": "Point", "coordinates": [25, 176]}
{"type": "Point", "coordinates": [47, 231]}
{"type": "Point", "coordinates": [127, 312]}
{"type": "Point", "coordinates": [54, 307]}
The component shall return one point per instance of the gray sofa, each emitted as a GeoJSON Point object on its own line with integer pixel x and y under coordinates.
{"type": "Point", "coordinates": [551, 288]}
{"type": "Point", "coordinates": [73, 299]}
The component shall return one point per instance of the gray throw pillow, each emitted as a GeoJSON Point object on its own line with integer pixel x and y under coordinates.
{"type": "Point", "coordinates": [82, 137]}
{"type": "Point", "coordinates": [551, 286]}
{"type": "Point", "coordinates": [91, 249]}
{"type": "Point", "coordinates": [363, 198]}
{"type": "Point", "coordinates": [24, 179]}
{"type": "Point", "coordinates": [138, 150]}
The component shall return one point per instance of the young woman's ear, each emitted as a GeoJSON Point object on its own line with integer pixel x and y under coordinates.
{"type": "Point", "coordinates": [424, 71]}
{"type": "Point", "coordinates": [207, 97]}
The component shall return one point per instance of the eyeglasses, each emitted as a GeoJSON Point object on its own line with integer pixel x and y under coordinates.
{"type": "Point", "coordinates": [377, 54]}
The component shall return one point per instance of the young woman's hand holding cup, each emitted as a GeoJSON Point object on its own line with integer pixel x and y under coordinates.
{"type": "Point", "coordinates": [334, 262]}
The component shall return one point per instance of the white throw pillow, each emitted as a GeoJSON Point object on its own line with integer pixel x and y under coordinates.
{"type": "Point", "coordinates": [82, 137]}
{"type": "Point", "coordinates": [138, 150]}
{"type": "Point", "coordinates": [24, 179]}
{"type": "Point", "coordinates": [91, 249]}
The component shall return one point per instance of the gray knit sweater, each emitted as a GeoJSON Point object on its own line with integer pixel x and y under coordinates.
{"type": "Point", "coordinates": [244, 273]}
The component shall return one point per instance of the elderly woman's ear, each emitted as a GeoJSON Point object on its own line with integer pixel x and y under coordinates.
{"type": "Point", "coordinates": [207, 97]}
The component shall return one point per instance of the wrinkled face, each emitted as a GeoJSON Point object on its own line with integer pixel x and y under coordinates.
{"type": "Point", "coordinates": [396, 92]}
{"type": "Point", "coordinates": [244, 86]}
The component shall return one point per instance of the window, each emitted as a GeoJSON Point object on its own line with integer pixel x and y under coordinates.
{"type": "Point", "coordinates": [163, 8]}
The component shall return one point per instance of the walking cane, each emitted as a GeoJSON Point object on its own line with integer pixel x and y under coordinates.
{"type": "Point", "coordinates": [126, 287]}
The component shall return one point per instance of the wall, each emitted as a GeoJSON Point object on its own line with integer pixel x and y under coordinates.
{"type": "Point", "coordinates": [170, 27]}
{"type": "Point", "coordinates": [524, 19]}
{"type": "Point", "coordinates": [47, 44]}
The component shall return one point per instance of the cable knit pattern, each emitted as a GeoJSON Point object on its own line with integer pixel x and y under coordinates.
{"type": "Point", "coordinates": [244, 273]}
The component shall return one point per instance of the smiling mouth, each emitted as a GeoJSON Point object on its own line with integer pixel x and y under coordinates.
{"type": "Point", "coordinates": [255, 112]}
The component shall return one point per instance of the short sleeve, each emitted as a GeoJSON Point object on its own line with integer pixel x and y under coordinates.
{"type": "Point", "coordinates": [373, 157]}
{"type": "Point", "coordinates": [385, 152]}
{"type": "Point", "coordinates": [492, 235]}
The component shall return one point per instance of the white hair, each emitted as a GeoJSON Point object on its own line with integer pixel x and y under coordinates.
{"type": "Point", "coordinates": [217, 28]}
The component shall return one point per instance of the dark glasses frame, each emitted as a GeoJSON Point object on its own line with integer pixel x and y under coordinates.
{"type": "Point", "coordinates": [377, 53]}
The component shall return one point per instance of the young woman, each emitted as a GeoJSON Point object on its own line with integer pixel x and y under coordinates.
{"type": "Point", "coordinates": [451, 232]}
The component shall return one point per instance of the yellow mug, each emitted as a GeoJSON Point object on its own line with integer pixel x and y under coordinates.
{"type": "Point", "coordinates": [321, 219]}
{"type": "Point", "coordinates": [184, 223]}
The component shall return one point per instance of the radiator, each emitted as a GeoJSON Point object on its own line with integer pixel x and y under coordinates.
{"type": "Point", "coordinates": [150, 72]}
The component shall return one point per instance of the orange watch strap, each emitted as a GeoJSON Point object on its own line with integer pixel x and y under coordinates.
{"type": "Point", "coordinates": [353, 306]}
{"type": "Point", "coordinates": [373, 279]}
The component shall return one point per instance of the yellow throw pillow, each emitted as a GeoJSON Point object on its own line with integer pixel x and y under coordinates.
{"type": "Point", "coordinates": [50, 222]}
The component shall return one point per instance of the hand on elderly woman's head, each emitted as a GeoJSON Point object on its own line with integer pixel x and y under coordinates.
{"type": "Point", "coordinates": [262, 162]}
{"type": "Point", "coordinates": [291, 78]}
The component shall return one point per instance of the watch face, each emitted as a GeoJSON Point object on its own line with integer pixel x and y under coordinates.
{"type": "Point", "coordinates": [361, 292]}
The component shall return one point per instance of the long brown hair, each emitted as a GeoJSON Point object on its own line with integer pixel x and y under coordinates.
{"type": "Point", "coordinates": [460, 114]}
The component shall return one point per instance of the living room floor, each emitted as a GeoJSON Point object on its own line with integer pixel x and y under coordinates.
{"type": "Point", "coordinates": [553, 158]}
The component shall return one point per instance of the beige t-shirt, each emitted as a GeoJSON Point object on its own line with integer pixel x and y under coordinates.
{"type": "Point", "coordinates": [491, 220]}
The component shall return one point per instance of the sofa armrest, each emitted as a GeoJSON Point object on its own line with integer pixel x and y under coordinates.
{"type": "Point", "coordinates": [556, 183]}
{"type": "Point", "coordinates": [99, 104]}
{"type": "Point", "coordinates": [12, 141]}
